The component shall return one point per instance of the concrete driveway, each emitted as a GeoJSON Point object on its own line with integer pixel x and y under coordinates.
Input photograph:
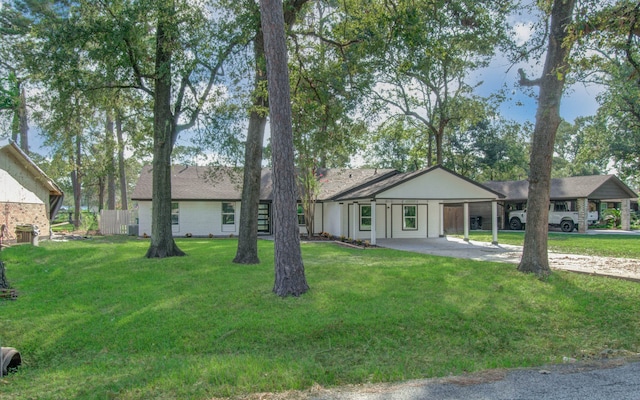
{"type": "Point", "coordinates": [458, 248]}
{"type": "Point", "coordinates": [482, 251]}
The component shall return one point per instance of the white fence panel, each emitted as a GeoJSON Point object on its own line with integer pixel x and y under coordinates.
{"type": "Point", "coordinates": [115, 222]}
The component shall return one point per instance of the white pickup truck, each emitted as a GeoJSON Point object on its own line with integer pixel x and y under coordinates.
{"type": "Point", "coordinates": [559, 215]}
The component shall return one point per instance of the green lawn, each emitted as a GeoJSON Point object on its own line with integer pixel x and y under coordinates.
{"type": "Point", "coordinates": [95, 320]}
{"type": "Point", "coordinates": [608, 245]}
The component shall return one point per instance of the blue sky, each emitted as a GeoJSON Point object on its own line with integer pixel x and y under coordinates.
{"type": "Point", "coordinates": [579, 100]}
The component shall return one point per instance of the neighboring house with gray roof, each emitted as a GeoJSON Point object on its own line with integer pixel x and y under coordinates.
{"type": "Point", "coordinates": [581, 193]}
{"type": "Point", "coordinates": [207, 201]}
{"type": "Point", "coordinates": [27, 196]}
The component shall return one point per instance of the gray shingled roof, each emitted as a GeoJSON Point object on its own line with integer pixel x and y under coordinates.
{"type": "Point", "coordinates": [595, 187]}
{"type": "Point", "coordinates": [224, 183]}
{"type": "Point", "coordinates": [338, 181]}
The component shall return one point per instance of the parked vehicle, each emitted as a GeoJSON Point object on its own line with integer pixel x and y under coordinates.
{"type": "Point", "coordinates": [559, 215]}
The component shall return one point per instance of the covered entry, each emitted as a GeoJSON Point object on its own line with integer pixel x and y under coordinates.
{"type": "Point", "coordinates": [412, 205]}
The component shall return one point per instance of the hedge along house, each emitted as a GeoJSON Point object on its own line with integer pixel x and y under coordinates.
{"type": "Point", "coordinates": [581, 193]}
{"type": "Point", "coordinates": [27, 194]}
{"type": "Point", "coordinates": [207, 201]}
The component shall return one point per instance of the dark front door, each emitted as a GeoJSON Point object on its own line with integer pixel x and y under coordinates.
{"type": "Point", "coordinates": [264, 218]}
{"type": "Point", "coordinates": [453, 219]}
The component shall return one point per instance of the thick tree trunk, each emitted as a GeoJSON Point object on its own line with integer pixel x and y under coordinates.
{"type": "Point", "coordinates": [121, 165]}
{"type": "Point", "coordinates": [100, 193]}
{"type": "Point", "coordinates": [164, 131]}
{"type": "Point", "coordinates": [247, 252]}
{"type": "Point", "coordinates": [439, 140]}
{"type": "Point", "coordinates": [289, 269]}
{"type": "Point", "coordinates": [162, 243]}
{"type": "Point", "coordinates": [535, 257]}
{"type": "Point", "coordinates": [23, 122]}
{"type": "Point", "coordinates": [76, 181]}
{"type": "Point", "coordinates": [111, 168]}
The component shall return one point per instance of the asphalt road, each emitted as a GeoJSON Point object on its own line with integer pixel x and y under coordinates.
{"type": "Point", "coordinates": [617, 379]}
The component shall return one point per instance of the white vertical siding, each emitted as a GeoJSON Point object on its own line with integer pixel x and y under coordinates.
{"type": "Point", "coordinates": [332, 218]}
{"type": "Point", "coordinates": [381, 221]}
{"type": "Point", "coordinates": [144, 218]}
{"type": "Point", "coordinates": [434, 219]}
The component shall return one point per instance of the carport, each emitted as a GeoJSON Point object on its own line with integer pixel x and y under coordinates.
{"type": "Point", "coordinates": [582, 193]}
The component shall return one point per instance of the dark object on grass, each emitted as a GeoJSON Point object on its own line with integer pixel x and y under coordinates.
{"type": "Point", "coordinates": [3, 278]}
{"type": "Point", "coordinates": [10, 360]}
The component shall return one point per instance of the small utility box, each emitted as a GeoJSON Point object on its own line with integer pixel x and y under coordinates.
{"type": "Point", "coordinates": [27, 233]}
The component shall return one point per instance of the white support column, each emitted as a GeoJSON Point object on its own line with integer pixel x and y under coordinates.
{"type": "Point", "coordinates": [355, 218]}
{"type": "Point", "coordinates": [373, 223]}
{"type": "Point", "coordinates": [466, 221]}
{"type": "Point", "coordinates": [494, 221]}
{"type": "Point", "coordinates": [441, 205]}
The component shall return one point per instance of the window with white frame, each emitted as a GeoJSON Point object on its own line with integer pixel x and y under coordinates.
{"type": "Point", "coordinates": [365, 218]}
{"type": "Point", "coordinates": [175, 214]}
{"type": "Point", "coordinates": [301, 218]}
{"type": "Point", "coordinates": [410, 217]}
{"type": "Point", "coordinates": [228, 214]}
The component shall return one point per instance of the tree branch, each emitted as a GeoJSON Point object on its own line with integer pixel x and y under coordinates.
{"type": "Point", "coordinates": [524, 81]}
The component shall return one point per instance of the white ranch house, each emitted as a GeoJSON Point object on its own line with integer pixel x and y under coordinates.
{"type": "Point", "coordinates": [206, 202]}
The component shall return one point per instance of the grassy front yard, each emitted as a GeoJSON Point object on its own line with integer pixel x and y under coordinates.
{"type": "Point", "coordinates": [95, 320]}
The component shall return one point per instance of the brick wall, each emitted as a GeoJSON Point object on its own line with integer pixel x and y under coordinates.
{"type": "Point", "coordinates": [12, 214]}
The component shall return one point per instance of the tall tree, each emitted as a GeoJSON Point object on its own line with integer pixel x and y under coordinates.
{"type": "Point", "coordinates": [289, 268]}
{"type": "Point", "coordinates": [576, 153]}
{"type": "Point", "coordinates": [610, 56]}
{"type": "Point", "coordinates": [593, 21]}
{"type": "Point", "coordinates": [247, 250]}
{"type": "Point", "coordinates": [172, 51]}
{"type": "Point", "coordinates": [165, 134]}
{"type": "Point", "coordinates": [423, 53]}
{"type": "Point", "coordinates": [16, 45]}
{"type": "Point", "coordinates": [393, 145]}
{"type": "Point", "coordinates": [617, 123]}
{"type": "Point", "coordinates": [551, 84]}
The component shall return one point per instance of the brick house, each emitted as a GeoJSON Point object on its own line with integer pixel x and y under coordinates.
{"type": "Point", "coordinates": [27, 194]}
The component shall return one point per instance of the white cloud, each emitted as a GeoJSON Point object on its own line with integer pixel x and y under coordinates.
{"type": "Point", "coordinates": [522, 32]}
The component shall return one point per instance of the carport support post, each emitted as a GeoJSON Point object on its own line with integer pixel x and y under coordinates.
{"type": "Point", "coordinates": [373, 222]}
{"type": "Point", "coordinates": [625, 214]}
{"type": "Point", "coordinates": [583, 214]}
{"type": "Point", "coordinates": [494, 222]}
{"type": "Point", "coordinates": [466, 221]}
{"type": "Point", "coordinates": [441, 219]}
